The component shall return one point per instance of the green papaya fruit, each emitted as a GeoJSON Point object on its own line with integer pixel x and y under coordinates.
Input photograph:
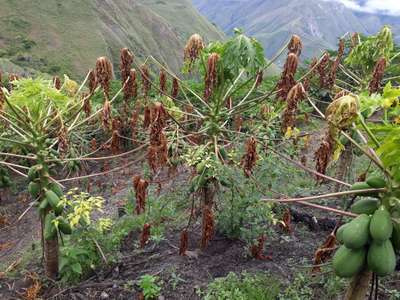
{"type": "Point", "coordinates": [34, 189]}
{"type": "Point", "coordinates": [64, 226]}
{"type": "Point", "coordinates": [381, 258]}
{"type": "Point", "coordinates": [381, 226]}
{"type": "Point", "coordinates": [52, 198]}
{"type": "Point", "coordinates": [200, 167]}
{"type": "Point", "coordinates": [56, 189]}
{"type": "Point", "coordinates": [33, 172]}
{"type": "Point", "coordinates": [58, 210]}
{"type": "Point", "coordinates": [50, 231]}
{"type": "Point", "coordinates": [356, 233]}
{"type": "Point", "coordinates": [54, 201]}
{"type": "Point", "coordinates": [376, 182]}
{"type": "Point", "coordinates": [396, 236]}
{"type": "Point", "coordinates": [339, 233]}
{"type": "Point", "coordinates": [365, 206]}
{"type": "Point", "coordinates": [6, 181]}
{"type": "Point", "coordinates": [363, 186]}
{"type": "Point", "coordinates": [43, 204]}
{"type": "Point", "coordinates": [359, 186]}
{"type": "Point", "coordinates": [349, 262]}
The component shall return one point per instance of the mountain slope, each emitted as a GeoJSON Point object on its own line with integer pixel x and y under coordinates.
{"type": "Point", "coordinates": [319, 23]}
{"type": "Point", "coordinates": [56, 36]}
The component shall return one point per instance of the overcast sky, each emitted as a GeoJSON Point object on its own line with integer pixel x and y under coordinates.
{"type": "Point", "coordinates": [391, 7]}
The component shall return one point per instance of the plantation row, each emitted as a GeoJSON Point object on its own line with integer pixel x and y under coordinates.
{"type": "Point", "coordinates": [224, 116]}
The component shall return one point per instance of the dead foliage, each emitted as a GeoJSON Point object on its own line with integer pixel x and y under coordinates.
{"type": "Point", "coordinates": [295, 45]}
{"type": "Point", "coordinates": [257, 250]}
{"type": "Point", "coordinates": [92, 80]}
{"type": "Point", "coordinates": [250, 158]}
{"type": "Point", "coordinates": [286, 223]}
{"type": "Point", "coordinates": [140, 186]}
{"type": "Point", "coordinates": [211, 78]}
{"type": "Point", "coordinates": [324, 252]}
{"type": "Point", "coordinates": [295, 95]}
{"type": "Point", "coordinates": [130, 87]}
{"type": "Point", "coordinates": [104, 74]}
{"type": "Point", "coordinates": [146, 80]}
{"type": "Point", "coordinates": [193, 48]}
{"type": "Point", "coordinates": [377, 76]}
{"type": "Point", "coordinates": [33, 292]}
{"type": "Point", "coordinates": [287, 80]}
{"type": "Point", "coordinates": [126, 60]}
{"type": "Point", "coordinates": [163, 82]}
{"type": "Point", "coordinates": [175, 88]}
{"type": "Point", "coordinates": [145, 235]}
{"type": "Point", "coordinates": [184, 242]}
{"type": "Point", "coordinates": [324, 153]}
{"type": "Point", "coordinates": [323, 72]}
{"type": "Point", "coordinates": [57, 82]}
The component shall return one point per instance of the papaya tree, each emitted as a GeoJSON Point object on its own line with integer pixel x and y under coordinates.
{"type": "Point", "coordinates": [38, 120]}
{"type": "Point", "coordinates": [369, 241]}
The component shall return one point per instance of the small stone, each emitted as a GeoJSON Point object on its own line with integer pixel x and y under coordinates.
{"type": "Point", "coordinates": [104, 295]}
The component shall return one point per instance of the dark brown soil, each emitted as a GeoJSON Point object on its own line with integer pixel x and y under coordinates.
{"type": "Point", "coordinates": [195, 270]}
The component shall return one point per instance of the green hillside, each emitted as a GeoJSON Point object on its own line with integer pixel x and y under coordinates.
{"type": "Point", "coordinates": [56, 36]}
{"type": "Point", "coordinates": [8, 67]}
{"type": "Point", "coordinates": [319, 23]}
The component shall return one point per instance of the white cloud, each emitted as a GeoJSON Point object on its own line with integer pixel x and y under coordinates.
{"type": "Point", "coordinates": [390, 7]}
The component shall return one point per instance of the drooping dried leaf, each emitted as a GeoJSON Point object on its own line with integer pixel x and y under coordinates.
{"type": "Point", "coordinates": [57, 82]}
{"type": "Point", "coordinates": [287, 80]}
{"type": "Point", "coordinates": [104, 74]}
{"type": "Point", "coordinates": [175, 88]}
{"type": "Point", "coordinates": [286, 223]}
{"type": "Point", "coordinates": [92, 80]}
{"type": "Point", "coordinates": [324, 252]}
{"type": "Point", "coordinates": [140, 186]}
{"type": "Point", "coordinates": [130, 87]}
{"type": "Point", "coordinates": [322, 70]}
{"type": "Point", "coordinates": [257, 250]}
{"type": "Point", "coordinates": [87, 107]}
{"type": "Point", "coordinates": [106, 114]}
{"type": "Point", "coordinates": [250, 158]}
{"type": "Point", "coordinates": [324, 153]}
{"type": "Point", "coordinates": [184, 243]}
{"type": "Point", "coordinates": [126, 60]}
{"type": "Point", "coordinates": [145, 235]}
{"type": "Point", "coordinates": [211, 78]}
{"type": "Point", "coordinates": [377, 76]}
{"type": "Point", "coordinates": [163, 82]}
{"type": "Point", "coordinates": [146, 80]}
{"type": "Point", "coordinates": [295, 95]}
{"type": "Point", "coordinates": [333, 72]}
{"type": "Point", "coordinates": [193, 48]}
{"type": "Point", "coordinates": [295, 45]}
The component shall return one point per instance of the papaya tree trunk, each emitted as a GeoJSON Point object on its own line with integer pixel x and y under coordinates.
{"type": "Point", "coordinates": [359, 286]}
{"type": "Point", "coordinates": [51, 255]}
{"type": "Point", "coordinates": [208, 222]}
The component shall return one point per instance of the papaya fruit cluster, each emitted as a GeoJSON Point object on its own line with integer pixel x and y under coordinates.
{"type": "Point", "coordinates": [5, 180]}
{"type": "Point", "coordinates": [371, 240]}
{"type": "Point", "coordinates": [48, 195]}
